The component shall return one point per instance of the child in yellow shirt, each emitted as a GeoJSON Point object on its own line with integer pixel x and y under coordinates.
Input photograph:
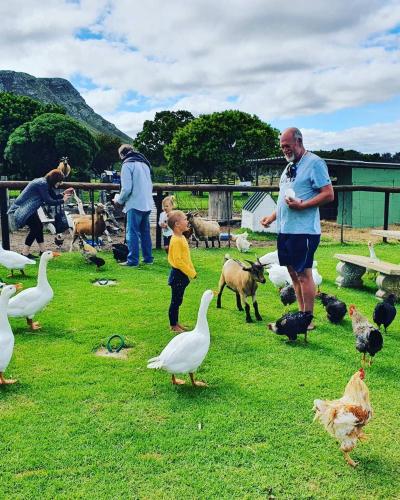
{"type": "Point", "coordinates": [182, 266]}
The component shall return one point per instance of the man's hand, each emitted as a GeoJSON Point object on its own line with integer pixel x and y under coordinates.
{"type": "Point", "coordinates": [266, 221]}
{"type": "Point", "coordinates": [117, 205]}
{"type": "Point", "coordinates": [295, 204]}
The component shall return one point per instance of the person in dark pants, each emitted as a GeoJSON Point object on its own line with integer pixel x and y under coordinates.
{"type": "Point", "coordinates": [182, 267]}
{"type": "Point", "coordinates": [37, 193]}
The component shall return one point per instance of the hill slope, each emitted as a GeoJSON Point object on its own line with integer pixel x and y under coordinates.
{"type": "Point", "coordinates": [57, 91]}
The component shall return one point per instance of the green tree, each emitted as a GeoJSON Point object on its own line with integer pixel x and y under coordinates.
{"type": "Point", "coordinates": [157, 133]}
{"type": "Point", "coordinates": [218, 144]}
{"type": "Point", "coordinates": [16, 110]}
{"type": "Point", "coordinates": [107, 154]}
{"type": "Point", "coordinates": [35, 147]}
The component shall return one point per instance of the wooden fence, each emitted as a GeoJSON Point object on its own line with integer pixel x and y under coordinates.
{"type": "Point", "coordinates": [160, 189]}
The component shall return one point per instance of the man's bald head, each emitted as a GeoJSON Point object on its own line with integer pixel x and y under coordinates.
{"type": "Point", "coordinates": [291, 142]}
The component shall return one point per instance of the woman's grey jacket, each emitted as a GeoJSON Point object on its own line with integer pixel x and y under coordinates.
{"type": "Point", "coordinates": [36, 193]}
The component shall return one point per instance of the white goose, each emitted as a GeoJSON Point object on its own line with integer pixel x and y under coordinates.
{"type": "Point", "coordinates": [32, 300]}
{"type": "Point", "coordinates": [186, 351]}
{"type": "Point", "coordinates": [6, 334]}
{"type": "Point", "coordinates": [13, 260]}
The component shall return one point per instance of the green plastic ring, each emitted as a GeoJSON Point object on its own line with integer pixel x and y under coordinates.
{"type": "Point", "coordinates": [119, 347]}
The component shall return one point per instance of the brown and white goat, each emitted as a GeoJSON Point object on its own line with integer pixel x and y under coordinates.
{"type": "Point", "coordinates": [243, 280]}
{"type": "Point", "coordinates": [83, 224]}
{"type": "Point", "coordinates": [204, 229]}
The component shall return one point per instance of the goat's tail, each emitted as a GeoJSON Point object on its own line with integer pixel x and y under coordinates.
{"type": "Point", "coordinates": [155, 363]}
{"type": "Point", "coordinates": [226, 257]}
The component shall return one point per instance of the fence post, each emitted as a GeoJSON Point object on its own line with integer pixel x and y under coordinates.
{"type": "Point", "coordinates": [5, 230]}
{"type": "Point", "coordinates": [386, 214]}
{"type": "Point", "coordinates": [158, 202]}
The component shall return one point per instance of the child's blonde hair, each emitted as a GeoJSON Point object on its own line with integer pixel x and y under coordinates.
{"type": "Point", "coordinates": [171, 199]}
{"type": "Point", "coordinates": [174, 216]}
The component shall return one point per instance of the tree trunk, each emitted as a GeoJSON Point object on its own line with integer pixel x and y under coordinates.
{"type": "Point", "coordinates": [220, 205]}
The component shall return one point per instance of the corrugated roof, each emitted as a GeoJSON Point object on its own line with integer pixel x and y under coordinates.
{"type": "Point", "coordinates": [254, 201]}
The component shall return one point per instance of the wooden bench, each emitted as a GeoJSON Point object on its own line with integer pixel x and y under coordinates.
{"type": "Point", "coordinates": [386, 233]}
{"type": "Point", "coordinates": [352, 267]}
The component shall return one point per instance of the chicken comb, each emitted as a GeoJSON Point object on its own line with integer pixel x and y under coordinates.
{"type": "Point", "coordinates": [352, 308]}
{"type": "Point", "coordinates": [362, 373]}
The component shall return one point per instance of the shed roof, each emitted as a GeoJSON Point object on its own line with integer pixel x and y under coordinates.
{"type": "Point", "coordinates": [278, 161]}
{"type": "Point", "coordinates": [255, 201]}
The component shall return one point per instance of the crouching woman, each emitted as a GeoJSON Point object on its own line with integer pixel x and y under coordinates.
{"type": "Point", "coordinates": [24, 210]}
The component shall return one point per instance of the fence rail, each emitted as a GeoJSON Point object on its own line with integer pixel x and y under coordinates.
{"type": "Point", "coordinates": [159, 189]}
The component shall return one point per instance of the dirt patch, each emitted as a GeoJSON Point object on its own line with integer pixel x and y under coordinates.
{"type": "Point", "coordinates": [122, 354]}
{"type": "Point", "coordinates": [332, 230]}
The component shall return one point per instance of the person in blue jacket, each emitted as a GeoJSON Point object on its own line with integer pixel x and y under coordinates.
{"type": "Point", "coordinates": [136, 201]}
{"type": "Point", "coordinates": [24, 210]}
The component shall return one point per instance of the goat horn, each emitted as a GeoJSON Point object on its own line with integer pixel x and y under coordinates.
{"type": "Point", "coordinates": [249, 261]}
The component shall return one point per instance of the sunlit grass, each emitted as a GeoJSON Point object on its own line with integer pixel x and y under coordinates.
{"type": "Point", "coordinates": [81, 426]}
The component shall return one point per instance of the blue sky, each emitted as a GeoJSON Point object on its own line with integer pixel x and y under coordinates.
{"type": "Point", "coordinates": [330, 70]}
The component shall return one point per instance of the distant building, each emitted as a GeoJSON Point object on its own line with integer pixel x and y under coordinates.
{"type": "Point", "coordinates": [357, 209]}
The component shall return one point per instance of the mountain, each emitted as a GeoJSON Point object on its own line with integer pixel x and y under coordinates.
{"type": "Point", "coordinates": [58, 91]}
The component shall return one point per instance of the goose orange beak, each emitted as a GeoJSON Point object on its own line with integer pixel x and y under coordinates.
{"type": "Point", "coordinates": [56, 254]}
{"type": "Point", "coordinates": [215, 293]}
{"type": "Point", "coordinates": [19, 286]}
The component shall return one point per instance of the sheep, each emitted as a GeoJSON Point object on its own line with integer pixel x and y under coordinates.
{"type": "Point", "coordinates": [204, 229]}
{"type": "Point", "coordinates": [241, 242]}
{"type": "Point", "coordinates": [83, 224]}
{"type": "Point", "coordinates": [243, 281]}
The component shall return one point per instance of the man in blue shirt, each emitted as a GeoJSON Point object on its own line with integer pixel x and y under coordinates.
{"type": "Point", "coordinates": [136, 197]}
{"type": "Point", "coordinates": [304, 186]}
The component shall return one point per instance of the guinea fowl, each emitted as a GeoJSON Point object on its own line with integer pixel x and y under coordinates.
{"type": "Point", "coordinates": [292, 324]}
{"type": "Point", "coordinates": [58, 241]}
{"type": "Point", "coordinates": [385, 312]}
{"type": "Point", "coordinates": [287, 295]}
{"type": "Point", "coordinates": [336, 309]}
{"type": "Point", "coordinates": [97, 261]}
{"type": "Point", "coordinates": [369, 339]}
{"type": "Point", "coordinates": [120, 252]}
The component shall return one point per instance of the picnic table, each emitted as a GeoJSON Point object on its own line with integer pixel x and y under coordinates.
{"type": "Point", "coordinates": [351, 268]}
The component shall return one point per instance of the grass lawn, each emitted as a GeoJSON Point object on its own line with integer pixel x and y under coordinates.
{"type": "Point", "coordinates": [81, 426]}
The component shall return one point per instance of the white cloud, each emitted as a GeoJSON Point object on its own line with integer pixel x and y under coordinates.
{"type": "Point", "coordinates": [280, 60]}
{"type": "Point", "coordinates": [377, 138]}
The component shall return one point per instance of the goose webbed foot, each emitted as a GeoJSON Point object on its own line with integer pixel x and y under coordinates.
{"type": "Point", "coordinates": [33, 325]}
{"type": "Point", "coordinates": [4, 381]}
{"type": "Point", "coordinates": [197, 383]}
{"type": "Point", "coordinates": [177, 381]}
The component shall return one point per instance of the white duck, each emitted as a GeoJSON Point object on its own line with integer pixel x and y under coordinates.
{"type": "Point", "coordinates": [279, 275]}
{"type": "Point", "coordinates": [13, 260]}
{"type": "Point", "coordinates": [186, 351]}
{"type": "Point", "coordinates": [6, 334]}
{"type": "Point", "coordinates": [316, 276]}
{"type": "Point", "coordinates": [32, 300]}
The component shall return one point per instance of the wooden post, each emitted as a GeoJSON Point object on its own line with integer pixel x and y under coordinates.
{"type": "Point", "coordinates": [386, 215]}
{"type": "Point", "coordinates": [158, 202]}
{"type": "Point", "coordinates": [220, 205]}
{"type": "Point", "coordinates": [5, 230]}
{"type": "Point", "coordinates": [91, 195]}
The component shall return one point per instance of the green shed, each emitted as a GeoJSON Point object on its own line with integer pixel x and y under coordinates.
{"type": "Point", "coordinates": [357, 209]}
